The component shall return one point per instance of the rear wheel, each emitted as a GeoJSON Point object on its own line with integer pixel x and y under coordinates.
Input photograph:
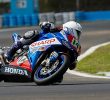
{"type": "Point", "coordinates": [45, 75]}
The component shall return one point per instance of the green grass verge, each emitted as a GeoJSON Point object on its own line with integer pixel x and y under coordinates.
{"type": "Point", "coordinates": [99, 61]}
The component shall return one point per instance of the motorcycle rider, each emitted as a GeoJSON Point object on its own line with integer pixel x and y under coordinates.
{"type": "Point", "coordinates": [71, 28]}
{"type": "Point", "coordinates": [28, 38]}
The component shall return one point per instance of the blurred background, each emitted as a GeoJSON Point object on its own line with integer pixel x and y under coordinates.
{"type": "Point", "coordinates": [18, 13]}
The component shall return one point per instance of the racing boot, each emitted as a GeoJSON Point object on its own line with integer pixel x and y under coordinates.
{"type": "Point", "coordinates": [59, 79]}
{"type": "Point", "coordinates": [73, 65]}
{"type": "Point", "coordinates": [8, 56]}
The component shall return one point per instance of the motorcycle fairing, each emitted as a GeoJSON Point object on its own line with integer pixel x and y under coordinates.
{"type": "Point", "coordinates": [45, 42]}
{"type": "Point", "coordinates": [24, 63]}
{"type": "Point", "coordinates": [40, 46]}
{"type": "Point", "coordinates": [67, 40]}
{"type": "Point", "coordinates": [36, 49]}
{"type": "Point", "coordinates": [15, 74]}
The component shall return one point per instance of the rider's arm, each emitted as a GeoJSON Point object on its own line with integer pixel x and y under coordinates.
{"type": "Point", "coordinates": [28, 41]}
{"type": "Point", "coordinates": [56, 29]}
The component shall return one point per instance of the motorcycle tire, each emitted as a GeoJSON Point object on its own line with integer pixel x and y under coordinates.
{"type": "Point", "coordinates": [53, 77]}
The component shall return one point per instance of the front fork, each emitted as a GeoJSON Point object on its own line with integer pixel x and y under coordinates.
{"type": "Point", "coordinates": [52, 58]}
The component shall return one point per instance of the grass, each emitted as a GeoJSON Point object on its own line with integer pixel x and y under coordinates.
{"type": "Point", "coordinates": [99, 61]}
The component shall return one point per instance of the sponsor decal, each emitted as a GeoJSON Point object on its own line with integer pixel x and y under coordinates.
{"type": "Point", "coordinates": [16, 71]}
{"type": "Point", "coordinates": [75, 43]}
{"type": "Point", "coordinates": [45, 42]}
{"type": "Point", "coordinates": [42, 45]}
{"type": "Point", "coordinates": [21, 60]}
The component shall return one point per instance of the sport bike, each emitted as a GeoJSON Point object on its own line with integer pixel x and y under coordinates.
{"type": "Point", "coordinates": [43, 62]}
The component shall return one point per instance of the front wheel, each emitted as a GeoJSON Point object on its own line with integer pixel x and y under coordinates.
{"type": "Point", "coordinates": [44, 75]}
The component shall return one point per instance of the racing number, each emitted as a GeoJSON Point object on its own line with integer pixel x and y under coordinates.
{"type": "Point", "coordinates": [75, 43]}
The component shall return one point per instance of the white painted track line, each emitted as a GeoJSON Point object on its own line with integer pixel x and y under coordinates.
{"type": "Point", "coordinates": [88, 52]}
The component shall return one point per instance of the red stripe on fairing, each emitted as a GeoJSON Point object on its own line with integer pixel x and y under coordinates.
{"type": "Point", "coordinates": [26, 65]}
{"type": "Point", "coordinates": [70, 38]}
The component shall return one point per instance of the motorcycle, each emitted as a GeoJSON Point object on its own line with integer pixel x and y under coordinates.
{"type": "Point", "coordinates": [43, 62]}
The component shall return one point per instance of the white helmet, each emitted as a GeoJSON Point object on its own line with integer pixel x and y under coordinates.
{"type": "Point", "coordinates": [74, 26]}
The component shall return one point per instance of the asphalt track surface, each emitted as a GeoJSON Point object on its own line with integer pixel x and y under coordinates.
{"type": "Point", "coordinates": [72, 87]}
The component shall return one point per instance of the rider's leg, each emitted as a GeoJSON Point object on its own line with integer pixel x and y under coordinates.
{"type": "Point", "coordinates": [10, 53]}
{"type": "Point", "coordinates": [73, 65]}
